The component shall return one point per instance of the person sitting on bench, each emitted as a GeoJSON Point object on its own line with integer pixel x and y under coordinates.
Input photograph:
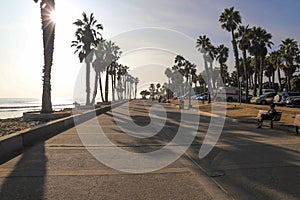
{"type": "Point", "coordinates": [269, 116]}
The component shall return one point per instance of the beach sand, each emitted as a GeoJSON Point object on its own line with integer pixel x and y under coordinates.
{"type": "Point", "coordinates": [12, 125]}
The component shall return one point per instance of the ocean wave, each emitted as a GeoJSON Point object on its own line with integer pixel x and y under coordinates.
{"type": "Point", "coordinates": [35, 106]}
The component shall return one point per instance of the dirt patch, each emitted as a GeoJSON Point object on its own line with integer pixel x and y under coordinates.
{"type": "Point", "coordinates": [243, 110]}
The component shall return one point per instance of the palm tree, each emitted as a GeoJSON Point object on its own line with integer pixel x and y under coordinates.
{"type": "Point", "coordinates": [210, 58]}
{"type": "Point", "coordinates": [48, 27]}
{"type": "Point", "coordinates": [179, 71]}
{"type": "Point", "coordinates": [187, 69]}
{"type": "Point", "coordinates": [251, 70]}
{"type": "Point", "coordinates": [152, 91]}
{"type": "Point", "coordinates": [113, 53]}
{"type": "Point", "coordinates": [168, 73]}
{"type": "Point", "coordinates": [222, 56]}
{"type": "Point", "coordinates": [269, 72]}
{"type": "Point", "coordinates": [194, 76]}
{"type": "Point", "coordinates": [265, 42]}
{"type": "Point", "coordinates": [275, 60]}
{"type": "Point", "coordinates": [290, 55]}
{"type": "Point", "coordinates": [260, 40]}
{"type": "Point", "coordinates": [243, 36]}
{"type": "Point", "coordinates": [158, 87]}
{"type": "Point", "coordinates": [190, 71]}
{"type": "Point", "coordinates": [113, 73]}
{"type": "Point", "coordinates": [121, 77]}
{"type": "Point", "coordinates": [230, 19]}
{"type": "Point", "coordinates": [87, 39]}
{"type": "Point", "coordinates": [204, 46]}
{"type": "Point", "coordinates": [136, 82]}
{"type": "Point", "coordinates": [99, 66]}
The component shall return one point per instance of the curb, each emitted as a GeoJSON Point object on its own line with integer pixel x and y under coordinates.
{"type": "Point", "coordinates": [13, 144]}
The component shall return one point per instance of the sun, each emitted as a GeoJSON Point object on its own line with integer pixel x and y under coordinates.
{"type": "Point", "coordinates": [54, 16]}
{"type": "Point", "coordinates": [59, 14]}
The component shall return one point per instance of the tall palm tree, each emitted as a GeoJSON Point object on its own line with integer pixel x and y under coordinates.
{"type": "Point", "coordinates": [251, 70]}
{"type": "Point", "coordinates": [186, 69]}
{"type": "Point", "coordinates": [269, 71]}
{"type": "Point", "coordinates": [230, 19]}
{"type": "Point", "coordinates": [190, 72]}
{"type": "Point", "coordinates": [99, 66]}
{"type": "Point", "coordinates": [276, 61]}
{"type": "Point", "coordinates": [265, 44]}
{"type": "Point", "coordinates": [222, 56]}
{"type": "Point", "coordinates": [87, 38]}
{"type": "Point", "coordinates": [179, 71]}
{"type": "Point", "coordinates": [113, 53]}
{"type": "Point", "coordinates": [290, 55]}
{"type": "Point", "coordinates": [48, 27]}
{"type": "Point", "coordinates": [204, 46]}
{"type": "Point", "coordinates": [254, 51]}
{"type": "Point", "coordinates": [136, 82]}
{"type": "Point", "coordinates": [201, 79]}
{"type": "Point", "coordinates": [210, 58]}
{"type": "Point", "coordinates": [121, 71]}
{"type": "Point", "coordinates": [243, 36]}
{"type": "Point", "coordinates": [260, 40]}
{"type": "Point", "coordinates": [194, 76]}
{"type": "Point", "coordinates": [168, 73]}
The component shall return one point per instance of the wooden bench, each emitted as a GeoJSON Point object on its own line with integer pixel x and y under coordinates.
{"type": "Point", "coordinates": [277, 116]}
{"type": "Point", "coordinates": [297, 123]}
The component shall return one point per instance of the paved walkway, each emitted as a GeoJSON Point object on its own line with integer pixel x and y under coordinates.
{"type": "Point", "coordinates": [246, 163]}
{"type": "Point", "coordinates": [62, 168]}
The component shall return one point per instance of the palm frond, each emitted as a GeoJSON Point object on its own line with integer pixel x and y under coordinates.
{"type": "Point", "coordinates": [78, 22]}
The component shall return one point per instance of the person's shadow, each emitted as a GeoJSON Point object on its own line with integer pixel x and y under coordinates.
{"type": "Point", "coordinates": [27, 179]}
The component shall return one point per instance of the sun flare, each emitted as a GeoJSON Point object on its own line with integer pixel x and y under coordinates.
{"type": "Point", "coordinates": [54, 16]}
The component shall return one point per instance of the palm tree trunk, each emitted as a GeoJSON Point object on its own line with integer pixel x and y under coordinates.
{"type": "Point", "coordinates": [251, 81]}
{"type": "Point", "coordinates": [106, 84]}
{"type": "Point", "coordinates": [273, 79]}
{"type": "Point", "coordinates": [87, 83]}
{"type": "Point", "coordinates": [246, 74]}
{"type": "Point", "coordinates": [255, 76]}
{"type": "Point", "coordinates": [48, 28]}
{"type": "Point", "coordinates": [222, 73]}
{"type": "Point", "coordinates": [190, 91]}
{"type": "Point", "coordinates": [212, 75]}
{"type": "Point", "coordinates": [100, 86]}
{"type": "Point", "coordinates": [112, 87]}
{"type": "Point", "coordinates": [236, 56]}
{"type": "Point", "coordinates": [288, 81]}
{"type": "Point", "coordinates": [95, 89]}
{"type": "Point", "coordinates": [125, 86]}
{"type": "Point", "coordinates": [207, 78]}
{"type": "Point", "coordinates": [135, 91]}
{"type": "Point", "coordinates": [261, 74]}
{"type": "Point", "coordinates": [279, 78]}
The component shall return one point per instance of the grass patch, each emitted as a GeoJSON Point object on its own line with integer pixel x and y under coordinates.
{"type": "Point", "coordinates": [238, 111]}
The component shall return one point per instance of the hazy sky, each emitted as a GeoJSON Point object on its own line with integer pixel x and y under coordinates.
{"type": "Point", "coordinates": [150, 34]}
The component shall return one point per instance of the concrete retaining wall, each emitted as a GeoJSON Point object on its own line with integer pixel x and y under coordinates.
{"type": "Point", "coordinates": [12, 144]}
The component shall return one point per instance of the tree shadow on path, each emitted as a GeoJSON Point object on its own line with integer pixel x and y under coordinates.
{"type": "Point", "coordinates": [27, 178]}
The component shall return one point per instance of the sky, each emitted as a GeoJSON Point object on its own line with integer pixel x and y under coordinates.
{"type": "Point", "coordinates": [150, 34]}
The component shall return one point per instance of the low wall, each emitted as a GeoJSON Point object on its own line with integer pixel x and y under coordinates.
{"type": "Point", "coordinates": [13, 144]}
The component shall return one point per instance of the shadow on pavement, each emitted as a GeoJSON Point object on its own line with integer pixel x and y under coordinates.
{"type": "Point", "coordinates": [27, 179]}
{"type": "Point", "coordinates": [255, 164]}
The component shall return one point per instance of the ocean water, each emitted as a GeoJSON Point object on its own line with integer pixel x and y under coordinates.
{"type": "Point", "coordinates": [14, 107]}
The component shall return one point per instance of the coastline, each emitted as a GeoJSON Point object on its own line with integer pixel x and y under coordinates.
{"type": "Point", "coordinates": [15, 107]}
